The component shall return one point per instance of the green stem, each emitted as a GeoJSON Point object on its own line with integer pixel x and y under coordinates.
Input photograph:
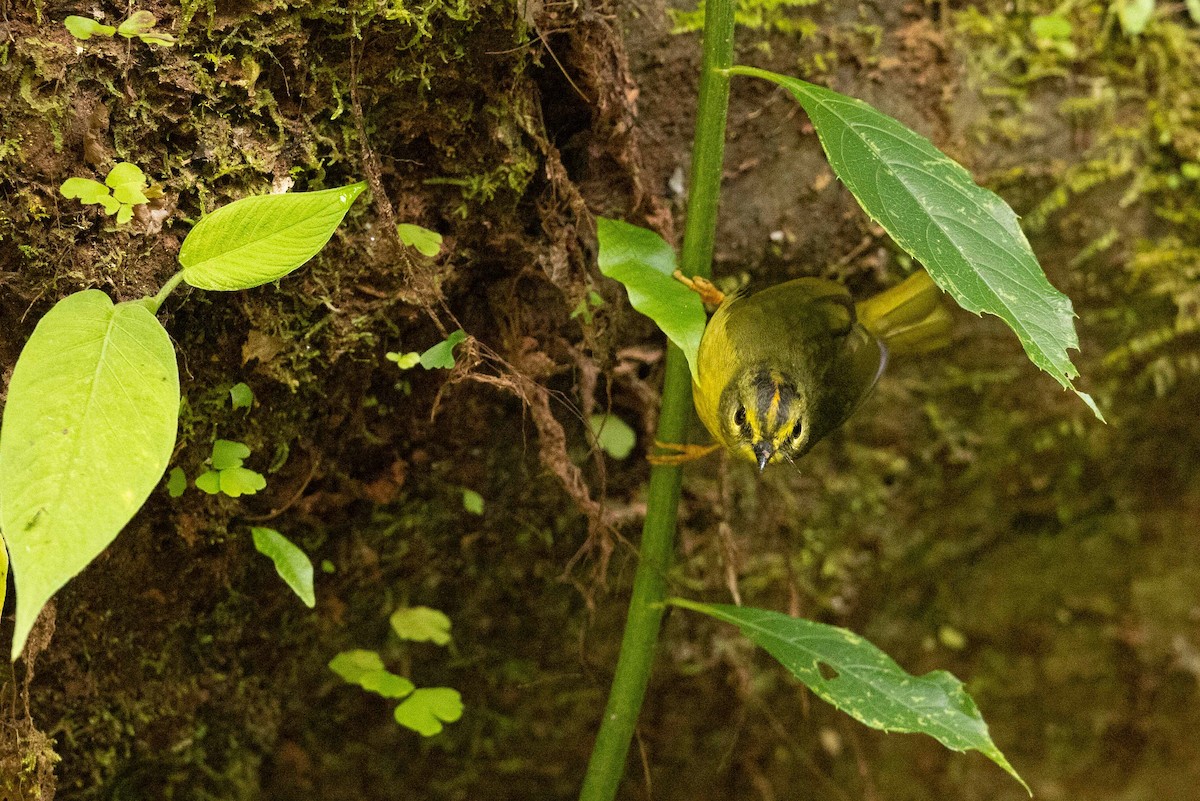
{"type": "Point", "coordinates": [157, 301]}
{"type": "Point", "coordinates": [607, 764]}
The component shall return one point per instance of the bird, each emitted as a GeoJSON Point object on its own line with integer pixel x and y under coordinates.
{"type": "Point", "coordinates": [780, 369]}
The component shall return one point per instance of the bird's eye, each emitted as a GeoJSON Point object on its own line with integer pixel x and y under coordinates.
{"type": "Point", "coordinates": [739, 417]}
{"type": "Point", "coordinates": [797, 430]}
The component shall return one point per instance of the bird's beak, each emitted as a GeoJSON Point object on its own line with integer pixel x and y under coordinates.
{"type": "Point", "coordinates": [763, 451]}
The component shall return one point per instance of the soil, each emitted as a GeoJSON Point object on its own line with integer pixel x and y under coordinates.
{"type": "Point", "coordinates": [971, 517]}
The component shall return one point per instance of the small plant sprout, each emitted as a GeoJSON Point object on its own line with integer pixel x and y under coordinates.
{"type": "Point", "coordinates": [139, 25]}
{"type": "Point", "coordinates": [472, 501]}
{"type": "Point", "coordinates": [241, 396]}
{"type": "Point", "coordinates": [586, 307]}
{"type": "Point", "coordinates": [423, 710]}
{"type": "Point", "coordinates": [227, 475]}
{"type": "Point", "coordinates": [428, 243]}
{"type": "Point", "coordinates": [123, 188]}
{"type": "Point", "coordinates": [421, 624]}
{"type": "Point", "coordinates": [405, 361]}
{"type": "Point", "coordinates": [613, 435]}
{"type": "Point", "coordinates": [176, 482]}
{"type": "Point", "coordinates": [441, 355]}
{"type": "Point", "coordinates": [291, 563]}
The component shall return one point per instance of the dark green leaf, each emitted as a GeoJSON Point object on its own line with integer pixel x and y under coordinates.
{"type": "Point", "coordinates": [859, 679]}
{"type": "Point", "coordinates": [89, 424]}
{"type": "Point", "coordinates": [965, 235]}
{"type": "Point", "coordinates": [176, 482]}
{"type": "Point", "coordinates": [644, 263]}
{"type": "Point", "coordinates": [291, 563]}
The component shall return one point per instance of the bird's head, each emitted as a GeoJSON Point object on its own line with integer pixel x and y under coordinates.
{"type": "Point", "coordinates": [765, 416]}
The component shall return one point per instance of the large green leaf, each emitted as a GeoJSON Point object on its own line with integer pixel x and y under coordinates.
{"type": "Point", "coordinates": [864, 682]}
{"type": "Point", "coordinates": [643, 261]}
{"type": "Point", "coordinates": [259, 239]}
{"type": "Point", "coordinates": [966, 236]}
{"type": "Point", "coordinates": [89, 425]}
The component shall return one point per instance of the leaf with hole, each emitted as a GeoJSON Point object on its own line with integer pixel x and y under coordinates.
{"type": "Point", "coordinates": [89, 425]}
{"type": "Point", "coordinates": [291, 563]}
{"type": "Point", "coordinates": [427, 708]}
{"type": "Point", "coordinates": [259, 239]}
{"type": "Point", "coordinates": [966, 236]}
{"type": "Point", "coordinates": [644, 263]}
{"type": "Point", "coordinates": [864, 682]}
{"type": "Point", "coordinates": [421, 624]}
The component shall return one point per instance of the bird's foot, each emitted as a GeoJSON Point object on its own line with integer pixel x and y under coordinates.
{"type": "Point", "coordinates": [707, 291]}
{"type": "Point", "coordinates": [679, 453]}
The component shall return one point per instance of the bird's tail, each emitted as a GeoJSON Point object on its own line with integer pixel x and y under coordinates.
{"type": "Point", "coordinates": [908, 318]}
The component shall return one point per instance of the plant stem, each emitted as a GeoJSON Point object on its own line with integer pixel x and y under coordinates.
{"type": "Point", "coordinates": [157, 301]}
{"type": "Point", "coordinates": [607, 764]}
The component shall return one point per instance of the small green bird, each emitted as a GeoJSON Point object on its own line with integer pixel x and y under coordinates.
{"type": "Point", "coordinates": [780, 369]}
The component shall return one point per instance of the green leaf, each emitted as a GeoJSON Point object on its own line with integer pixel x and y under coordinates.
{"type": "Point", "coordinates": [386, 683]}
{"type": "Point", "coordinates": [428, 243]}
{"type": "Point", "coordinates": [176, 482]}
{"type": "Point", "coordinates": [427, 708]}
{"type": "Point", "coordinates": [227, 454]}
{"type": "Point", "coordinates": [421, 624]}
{"type": "Point", "coordinates": [86, 190]}
{"type": "Point", "coordinates": [139, 22]}
{"type": "Point", "coordinates": [1134, 15]}
{"type": "Point", "coordinates": [365, 668]}
{"type": "Point", "coordinates": [291, 563]}
{"type": "Point", "coordinates": [89, 425]}
{"type": "Point", "coordinates": [644, 263]}
{"type": "Point", "coordinates": [472, 501]}
{"type": "Point", "coordinates": [441, 355]}
{"type": "Point", "coordinates": [1193, 7]}
{"type": "Point", "coordinates": [209, 481]}
{"type": "Point", "coordinates": [863, 681]}
{"type": "Point", "coordinates": [259, 239]}
{"type": "Point", "coordinates": [613, 435]}
{"type": "Point", "coordinates": [1050, 26]}
{"type": "Point", "coordinates": [127, 182]}
{"type": "Point", "coordinates": [157, 38]}
{"type": "Point", "coordinates": [85, 28]}
{"type": "Point", "coordinates": [965, 235]}
{"type": "Point", "coordinates": [242, 397]}
{"type": "Point", "coordinates": [353, 665]}
{"type": "Point", "coordinates": [239, 481]}
{"type": "Point", "coordinates": [405, 361]}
